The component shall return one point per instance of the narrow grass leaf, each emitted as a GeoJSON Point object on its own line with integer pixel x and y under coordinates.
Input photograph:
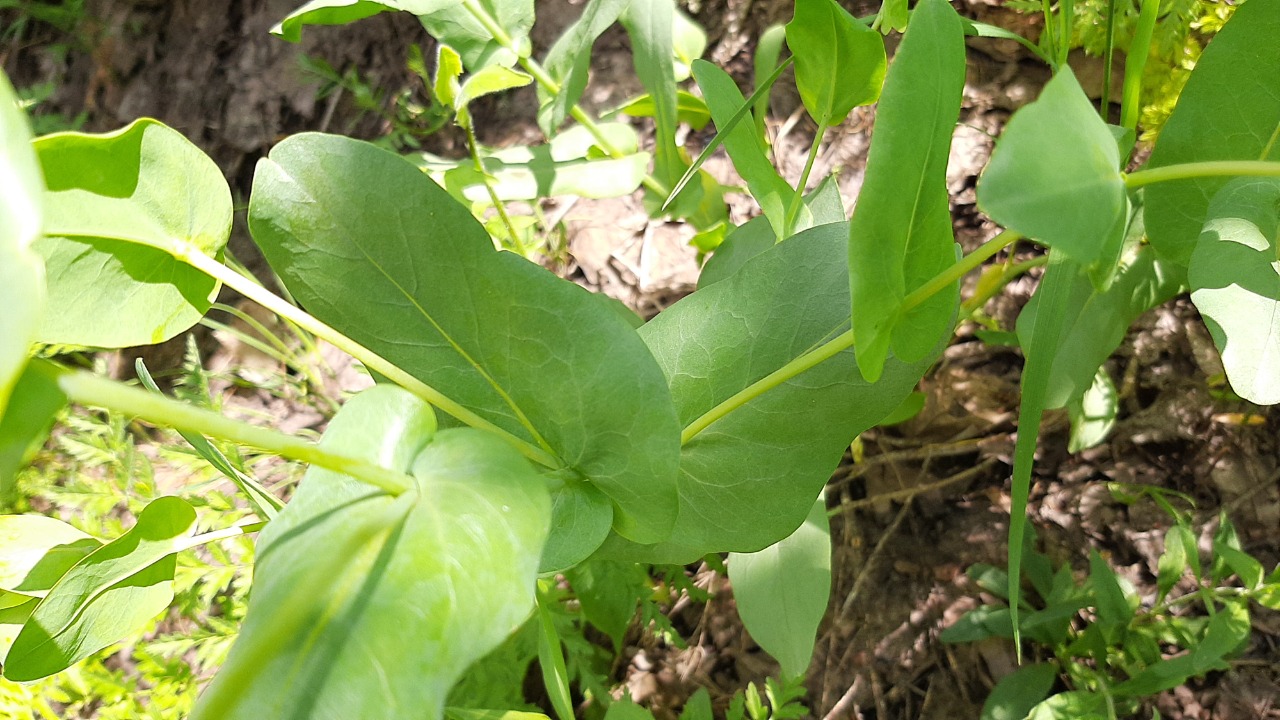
{"type": "Point", "coordinates": [114, 202]}
{"type": "Point", "coordinates": [1200, 130]}
{"type": "Point", "coordinates": [840, 62]}
{"type": "Point", "coordinates": [537, 356]}
{"type": "Point", "coordinates": [110, 594]}
{"type": "Point", "coordinates": [782, 591]}
{"type": "Point", "coordinates": [1055, 173]}
{"type": "Point", "coordinates": [367, 605]}
{"type": "Point", "coordinates": [1235, 284]}
{"type": "Point", "coordinates": [651, 25]}
{"type": "Point", "coordinates": [22, 289]}
{"type": "Point", "coordinates": [900, 236]}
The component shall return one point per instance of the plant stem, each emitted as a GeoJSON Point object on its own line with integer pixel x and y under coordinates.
{"type": "Point", "coordinates": [474, 146]}
{"type": "Point", "coordinates": [223, 534]}
{"type": "Point", "coordinates": [192, 255]}
{"type": "Point", "coordinates": [548, 83]}
{"type": "Point", "coordinates": [88, 389]}
{"type": "Point", "coordinates": [1136, 64]}
{"type": "Point", "coordinates": [970, 306]}
{"type": "Point", "coordinates": [1211, 168]}
{"type": "Point", "coordinates": [844, 340]}
{"type": "Point", "coordinates": [793, 209]}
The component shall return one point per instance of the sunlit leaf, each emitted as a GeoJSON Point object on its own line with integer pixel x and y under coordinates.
{"type": "Point", "coordinates": [840, 62]}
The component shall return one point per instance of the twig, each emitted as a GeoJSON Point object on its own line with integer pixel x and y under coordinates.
{"type": "Point", "coordinates": [909, 493]}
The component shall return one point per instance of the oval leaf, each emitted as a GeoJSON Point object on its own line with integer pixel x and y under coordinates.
{"type": "Point", "coordinates": [1055, 173]}
{"type": "Point", "coordinates": [1239, 70]}
{"type": "Point", "coordinates": [110, 594]}
{"type": "Point", "coordinates": [21, 273]}
{"type": "Point", "coordinates": [900, 236]}
{"type": "Point", "coordinates": [374, 248]}
{"type": "Point", "coordinates": [840, 62]}
{"type": "Point", "coordinates": [341, 12]}
{"type": "Point", "coordinates": [569, 60]}
{"type": "Point", "coordinates": [782, 591]}
{"type": "Point", "coordinates": [114, 202]}
{"type": "Point", "coordinates": [1235, 284]}
{"type": "Point", "coordinates": [367, 605]}
{"type": "Point", "coordinates": [35, 551]}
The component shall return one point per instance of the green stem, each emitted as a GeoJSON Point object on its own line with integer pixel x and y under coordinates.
{"type": "Point", "coordinates": [973, 304]}
{"type": "Point", "coordinates": [474, 146]}
{"type": "Point", "coordinates": [1211, 168]}
{"type": "Point", "coordinates": [88, 389]}
{"type": "Point", "coordinates": [192, 256]}
{"type": "Point", "coordinates": [548, 83]}
{"type": "Point", "coordinates": [1136, 64]}
{"type": "Point", "coordinates": [843, 341]}
{"type": "Point", "coordinates": [793, 209]}
{"type": "Point", "coordinates": [223, 534]}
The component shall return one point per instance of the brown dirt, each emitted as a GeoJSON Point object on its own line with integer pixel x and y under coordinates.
{"type": "Point", "coordinates": [928, 498]}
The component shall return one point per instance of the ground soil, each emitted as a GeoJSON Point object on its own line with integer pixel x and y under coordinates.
{"type": "Point", "coordinates": [926, 500]}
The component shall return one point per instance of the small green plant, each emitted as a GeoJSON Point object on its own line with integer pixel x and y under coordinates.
{"type": "Point", "coordinates": [526, 433]}
{"type": "Point", "coordinates": [1105, 647]}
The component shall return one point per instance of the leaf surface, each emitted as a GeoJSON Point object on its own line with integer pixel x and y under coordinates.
{"type": "Point", "coordinates": [22, 288]}
{"type": "Point", "coordinates": [35, 401]}
{"type": "Point", "coordinates": [111, 593]}
{"type": "Point", "coordinates": [569, 60]}
{"type": "Point", "coordinates": [113, 202]}
{"type": "Point", "coordinates": [341, 12]}
{"type": "Point", "coordinates": [35, 551]}
{"type": "Point", "coordinates": [1055, 173]}
{"type": "Point", "coordinates": [900, 235]}
{"type": "Point", "coordinates": [840, 62]}
{"type": "Point", "coordinates": [367, 605]}
{"type": "Point", "coordinates": [1229, 110]}
{"type": "Point", "coordinates": [534, 354]}
{"type": "Point", "coordinates": [1016, 693]}
{"type": "Point", "coordinates": [1235, 284]}
{"type": "Point", "coordinates": [782, 591]}
{"type": "Point", "coordinates": [453, 24]}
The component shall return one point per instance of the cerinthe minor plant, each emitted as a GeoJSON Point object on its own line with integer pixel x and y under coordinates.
{"type": "Point", "coordinates": [570, 435]}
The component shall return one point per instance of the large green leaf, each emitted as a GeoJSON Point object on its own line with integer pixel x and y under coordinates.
{"type": "Point", "coordinates": [113, 592]}
{"type": "Point", "coordinates": [782, 591]}
{"type": "Point", "coordinates": [569, 59]}
{"type": "Point", "coordinates": [373, 247]}
{"type": "Point", "coordinates": [113, 202]}
{"type": "Point", "coordinates": [366, 605]}
{"type": "Point", "coordinates": [745, 148]}
{"type": "Point", "coordinates": [1097, 321]}
{"type": "Point", "coordinates": [1016, 693]}
{"type": "Point", "coordinates": [21, 273]}
{"type": "Point", "coordinates": [36, 551]}
{"type": "Point", "coordinates": [840, 62]}
{"type": "Point", "coordinates": [1055, 173]}
{"type": "Point", "coordinates": [900, 236]}
{"type": "Point", "coordinates": [749, 479]}
{"type": "Point", "coordinates": [35, 401]}
{"type": "Point", "coordinates": [1229, 110]}
{"type": "Point", "coordinates": [458, 25]}
{"type": "Point", "coordinates": [341, 12]}
{"type": "Point", "coordinates": [1235, 284]}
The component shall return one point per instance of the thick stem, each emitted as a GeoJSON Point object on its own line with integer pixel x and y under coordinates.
{"type": "Point", "coordinates": [1211, 168]}
{"type": "Point", "coordinates": [843, 341]}
{"type": "Point", "coordinates": [88, 389]}
{"type": "Point", "coordinates": [193, 256]}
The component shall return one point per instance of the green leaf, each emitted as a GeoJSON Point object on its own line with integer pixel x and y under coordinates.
{"type": "Point", "coordinates": [690, 109]}
{"type": "Point", "coordinates": [489, 80]}
{"type": "Point", "coordinates": [581, 517]}
{"type": "Point", "coordinates": [893, 15]}
{"type": "Point", "coordinates": [698, 707]}
{"type": "Point", "coordinates": [36, 551]}
{"type": "Point", "coordinates": [651, 25]}
{"type": "Point", "coordinates": [1240, 70]}
{"type": "Point", "coordinates": [764, 62]}
{"type": "Point", "coordinates": [745, 148]}
{"type": "Point", "coordinates": [1074, 705]}
{"type": "Point", "coordinates": [1173, 561]}
{"type": "Point", "coordinates": [688, 43]}
{"type": "Point", "coordinates": [1114, 612]}
{"type": "Point", "coordinates": [1227, 629]}
{"type": "Point", "coordinates": [1225, 540]}
{"type": "Point", "coordinates": [367, 605]}
{"type": "Point", "coordinates": [374, 248]}
{"type": "Point", "coordinates": [457, 25]}
{"type": "Point", "coordinates": [1055, 173]}
{"type": "Point", "coordinates": [782, 591]}
{"type": "Point", "coordinates": [1235, 284]}
{"type": "Point", "coordinates": [22, 289]}
{"type": "Point", "coordinates": [453, 713]}
{"type": "Point", "coordinates": [909, 408]}
{"type": "Point", "coordinates": [24, 426]}
{"type": "Point", "coordinates": [1016, 693]}
{"type": "Point", "coordinates": [555, 675]}
{"type": "Point", "coordinates": [1093, 414]}
{"type": "Point", "coordinates": [115, 204]}
{"type": "Point", "coordinates": [608, 593]}
{"type": "Point", "coordinates": [1097, 320]}
{"type": "Point", "coordinates": [569, 60]}
{"type": "Point", "coordinates": [748, 480]}
{"type": "Point", "coordinates": [110, 594]}
{"type": "Point", "coordinates": [625, 709]}
{"type": "Point", "coordinates": [446, 86]}
{"type": "Point", "coordinates": [840, 62]}
{"type": "Point", "coordinates": [341, 12]}
{"type": "Point", "coordinates": [15, 610]}
{"type": "Point", "coordinates": [975, 625]}
{"type": "Point", "coordinates": [900, 236]}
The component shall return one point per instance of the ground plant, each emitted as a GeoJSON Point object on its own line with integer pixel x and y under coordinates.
{"type": "Point", "coordinates": [529, 443]}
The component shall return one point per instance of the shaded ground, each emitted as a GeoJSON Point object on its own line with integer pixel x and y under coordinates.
{"type": "Point", "coordinates": [926, 500]}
